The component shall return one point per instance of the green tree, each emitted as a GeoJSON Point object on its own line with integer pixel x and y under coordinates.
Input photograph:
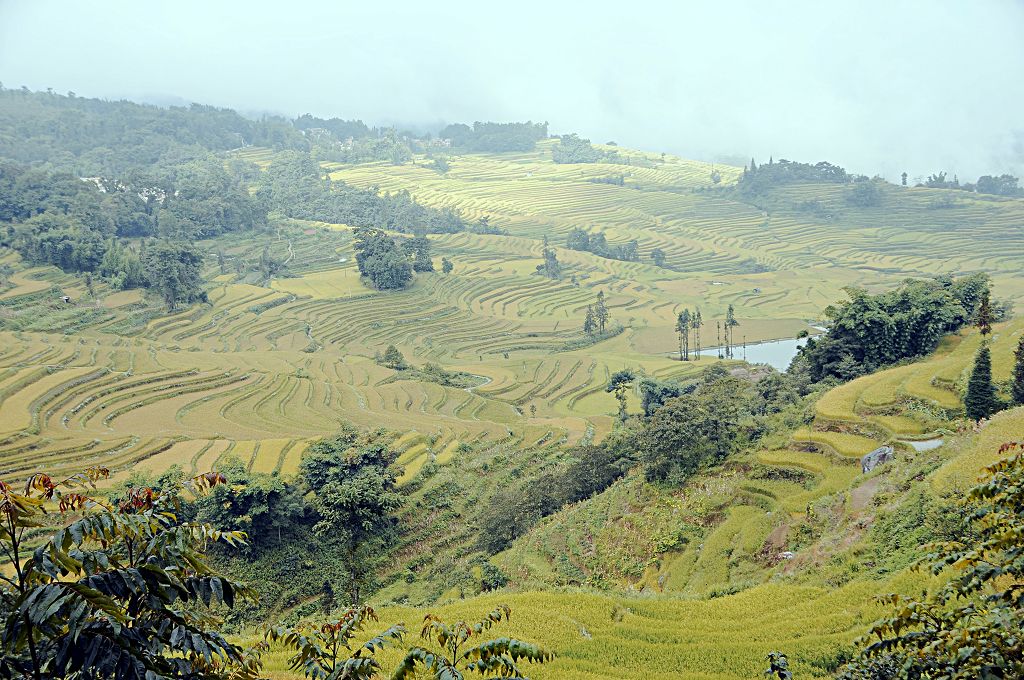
{"type": "Point", "coordinates": [121, 590]}
{"type": "Point", "coordinates": [683, 330]}
{"type": "Point", "coordinates": [601, 314]}
{"type": "Point", "coordinates": [1017, 382]}
{"type": "Point", "coordinates": [590, 321]}
{"type": "Point", "coordinates": [697, 322]}
{"type": "Point", "coordinates": [658, 257]}
{"type": "Point", "coordinates": [420, 250]}
{"type": "Point", "coordinates": [458, 651]}
{"type": "Point", "coordinates": [981, 401]}
{"type": "Point", "coordinates": [730, 324]}
{"type": "Point", "coordinates": [620, 384]}
{"type": "Point", "coordinates": [393, 359]}
{"type": "Point", "coordinates": [325, 652]}
{"type": "Point", "coordinates": [380, 259]}
{"type": "Point", "coordinates": [551, 267]}
{"type": "Point", "coordinates": [969, 627]}
{"type": "Point", "coordinates": [355, 496]}
{"type": "Point", "coordinates": [174, 271]}
{"type": "Point", "coordinates": [984, 317]}
{"type": "Point", "coordinates": [446, 265]}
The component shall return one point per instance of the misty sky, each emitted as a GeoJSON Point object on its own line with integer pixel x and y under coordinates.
{"type": "Point", "coordinates": [876, 86]}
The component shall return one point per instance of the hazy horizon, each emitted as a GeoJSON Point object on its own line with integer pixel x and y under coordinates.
{"type": "Point", "coordinates": [880, 88]}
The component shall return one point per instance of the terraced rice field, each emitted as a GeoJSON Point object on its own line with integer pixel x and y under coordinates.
{"type": "Point", "coordinates": [278, 363]}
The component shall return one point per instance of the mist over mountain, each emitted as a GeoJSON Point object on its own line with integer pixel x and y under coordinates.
{"type": "Point", "coordinates": [882, 87]}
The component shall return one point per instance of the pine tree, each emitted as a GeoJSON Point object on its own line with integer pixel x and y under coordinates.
{"type": "Point", "coordinates": [589, 323]}
{"type": "Point", "coordinates": [1017, 383]}
{"type": "Point", "coordinates": [984, 317]}
{"type": "Point", "coordinates": [683, 329]}
{"type": "Point", "coordinates": [980, 400]}
{"type": "Point", "coordinates": [697, 322]}
{"type": "Point", "coordinates": [601, 312]}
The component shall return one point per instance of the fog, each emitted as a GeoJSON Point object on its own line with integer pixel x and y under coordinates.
{"type": "Point", "coordinates": [879, 87]}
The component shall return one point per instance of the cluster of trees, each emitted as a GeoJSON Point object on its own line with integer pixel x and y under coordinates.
{"type": "Point", "coordinates": [91, 137]}
{"type": "Point", "coordinates": [381, 260]}
{"type": "Point", "coordinates": [981, 399]}
{"type": "Point", "coordinates": [595, 322]}
{"type": "Point", "coordinates": [495, 137]}
{"type": "Point", "coordinates": [758, 178]}
{"type": "Point", "coordinates": [550, 267]}
{"type": "Point", "coordinates": [686, 324]}
{"type": "Point", "coordinates": [997, 185]}
{"type": "Point", "coordinates": [868, 331]}
{"type": "Point", "coordinates": [574, 149]}
{"type": "Point", "coordinates": [295, 187]}
{"type": "Point", "coordinates": [597, 244]}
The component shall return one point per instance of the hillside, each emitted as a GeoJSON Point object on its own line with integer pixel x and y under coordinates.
{"type": "Point", "coordinates": [286, 347]}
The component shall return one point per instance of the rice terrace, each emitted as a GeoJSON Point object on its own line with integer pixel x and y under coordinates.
{"type": "Point", "coordinates": [289, 396]}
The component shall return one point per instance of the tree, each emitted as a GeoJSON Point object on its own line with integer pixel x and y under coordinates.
{"type": "Point", "coordinates": [174, 271]}
{"type": "Point", "coordinates": [730, 324]}
{"type": "Point", "coordinates": [379, 259]}
{"type": "Point", "coordinates": [419, 248]}
{"type": "Point", "coordinates": [325, 652]}
{"type": "Point", "coordinates": [903, 179]}
{"type": "Point", "coordinates": [981, 401]}
{"type": "Point", "coordinates": [355, 495]}
{"type": "Point", "coordinates": [446, 265]}
{"type": "Point", "coordinates": [984, 317]}
{"type": "Point", "coordinates": [590, 321]}
{"type": "Point", "coordinates": [393, 359]}
{"type": "Point", "coordinates": [551, 268]}
{"type": "Point", "coordinates": [696, 323]}
{"type": "Point", "coordinates": [1017, 382]}
{"type": "Point", "coordinates": [968, 627]}
{"type": "Point", "coordinates": [620, 383]}
{"type": "Point", "coordinates": [658, 257]}
{"type": "Point", "coordinates": [119, 590]}
{"type": "Point", "coordinates": [601, 314]}
{"type": "Point", "coordinates": [683, 329]}
{"type": "Point", "coordinates": [458, 651]}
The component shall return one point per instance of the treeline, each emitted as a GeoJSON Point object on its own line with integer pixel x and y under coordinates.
{"type": "Point", "coordinates": [597, 244]}
{"type": "Point", "coordinates": [574, 149]}
{"type": "Point", "coordinates": [295, 186]}
{"type": "Point", "coordinates": [494, 137]}
{"type": "Point", "coordinates": [87, 225]}
{"type": "Point", "coordinates": [91, 137]}
{"type": "Point", "coordinates": [757, 178]}
{"type": "Point", "coordinates": [996, 185]}
{"type": "Point", "coordinates": [868, 332]}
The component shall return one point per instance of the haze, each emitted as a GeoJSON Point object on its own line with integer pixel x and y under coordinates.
{"type": "Point", "coordinates": [877, 87]}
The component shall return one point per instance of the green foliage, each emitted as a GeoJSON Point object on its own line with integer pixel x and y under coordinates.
{"type": "Point", "coordinates": [865, 194]}
{"type": "Point", "coordinates": [446, 266]}
{"type": "Point", "coordinates": [118, 591]}
{"type": "Point", "coordinates": [92, 137]}
{"type": "Point", "coordinates": [419, 249]}
{"type": "Point", "coordinates": [693, 429]}
{"type": "Point", "coordinates": [174, 271]}
{"type": "Point", "coordinates": [355, 496]}
{"type": "Point", "coordinates": [495, 137]}
{"type": "Point", "coordinates": [381, 260]}
{"type": "Point", "coordinates": [326, 652]}
{"type": "Point", "coordinates": [551, 267]}
{"type": "Point", "coordinates": [459, 653]}
{"type": "Point", "coordinates": [1002, 185]}
{"type": "Point", "coordinates": [871, 331]}
{"type": "Point", "coordinates": [778, 666]}
{"type": "Point", "coordinates": [758, 179]}
{"type": "Point", "coordinates": [658, 257]}
{"type": "Point", "coordinates": [393, 359]}
{"type": "Point", "coordinates": [597, 244]}
{"type": "Point", "coordinates": [969, 627]}
{"type": "Point", "coordinates": [294, 186]}
{"type": "Point", "coordinates": [1017, 381]}
{"type": "Point", "coordinates": [574, 149]}
{"type": "Point", "coordinates": [980, 400]}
